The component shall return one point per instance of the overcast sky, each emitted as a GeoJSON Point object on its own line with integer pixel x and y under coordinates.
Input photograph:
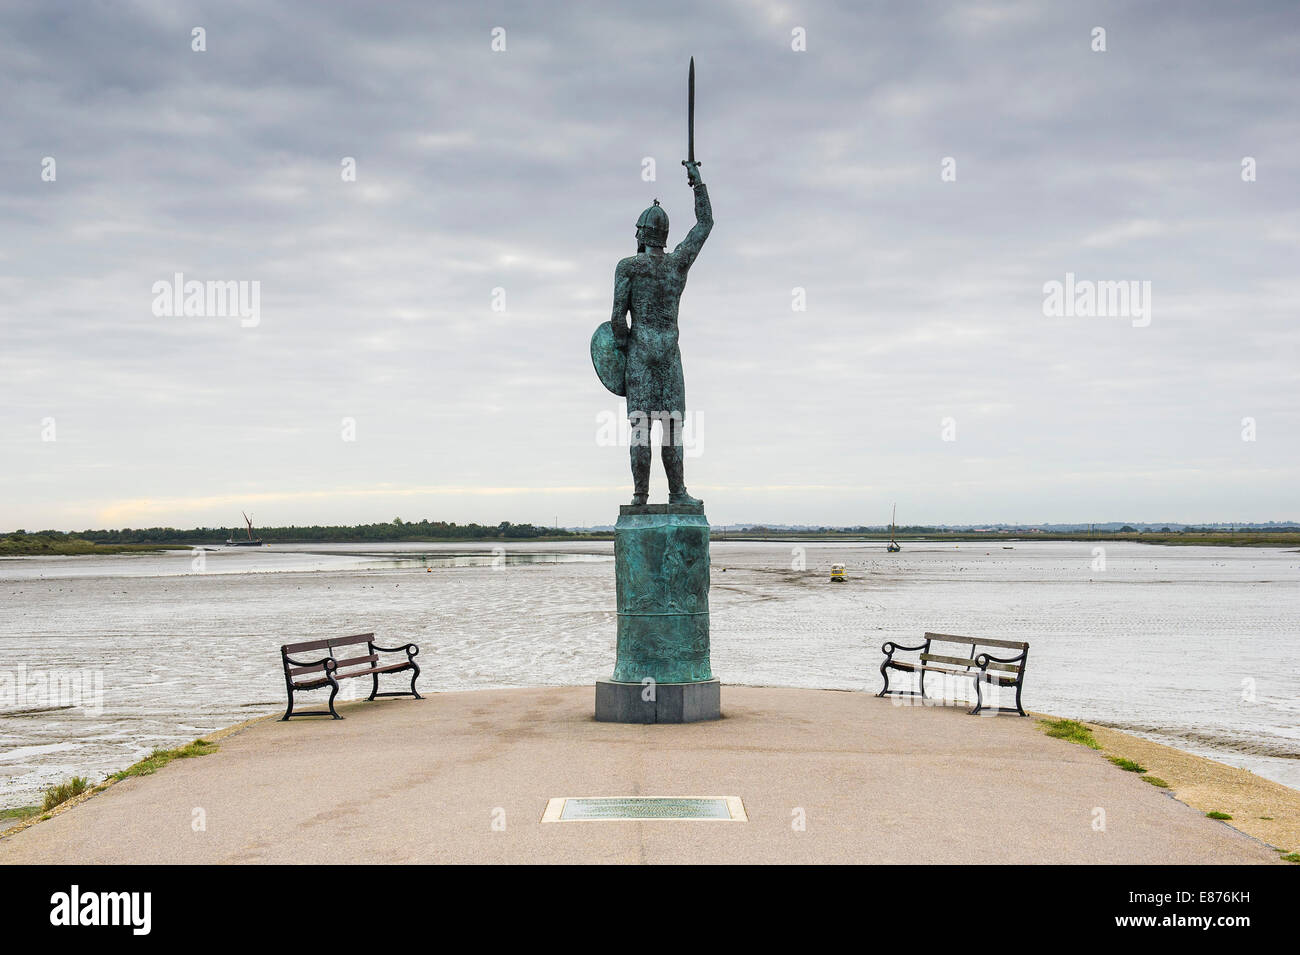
{"type": "Point", "coordinates": [522, 170]}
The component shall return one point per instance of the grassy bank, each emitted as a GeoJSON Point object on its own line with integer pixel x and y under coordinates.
{"type": "Point", "coordinates": [29, 545]}
{"type": "Point", "coordinates": [161, 757]}
{"type": "Point", "coordinates": [78, 789]}
{"type": "Point", "coordinates": [16, 814]}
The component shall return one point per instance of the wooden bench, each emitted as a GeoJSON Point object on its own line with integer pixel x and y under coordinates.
{"type": "Point", "coordinates": [300, 675]}
{"type": "Point", "coordinates": [982, 667]}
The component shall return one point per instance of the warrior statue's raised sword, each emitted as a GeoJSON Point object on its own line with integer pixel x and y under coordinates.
{"type": "Point", "coordinates": [642, 361]}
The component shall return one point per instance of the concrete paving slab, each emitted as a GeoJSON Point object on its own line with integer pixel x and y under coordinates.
{"type": "Point", "coordinates": [465, 777]}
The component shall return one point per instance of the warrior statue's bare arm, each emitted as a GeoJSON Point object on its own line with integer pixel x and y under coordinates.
{"type": "Point", "coordinates": [694, 241]}
{"type": "Point", "coordinates": [622, 301]}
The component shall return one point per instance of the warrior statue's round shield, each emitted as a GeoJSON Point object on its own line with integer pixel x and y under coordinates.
{"type": "Point", "coordinates": [610, 359]}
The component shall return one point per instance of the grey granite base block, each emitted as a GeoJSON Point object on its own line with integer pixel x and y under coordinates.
{"type": "Point", "coordinates": [672, 703]}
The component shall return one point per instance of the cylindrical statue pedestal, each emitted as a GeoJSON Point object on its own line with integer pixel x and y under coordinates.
{"type": "Point", "coordinates": [661, 566]}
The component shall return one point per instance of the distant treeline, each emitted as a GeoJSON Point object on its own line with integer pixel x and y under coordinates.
{"type": "Point", "coordinates": [395, 530]}
{"type": "Point", "coordinates": [47, 542]}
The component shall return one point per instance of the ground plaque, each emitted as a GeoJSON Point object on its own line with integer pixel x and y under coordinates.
{"type": "Point", "coordinates": [644, 809]}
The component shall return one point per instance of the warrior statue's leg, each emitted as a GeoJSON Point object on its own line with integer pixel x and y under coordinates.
{"type": "Point", "coordinates": [642, 455]}
{"type": "Point", "coordinates": [673, 455]}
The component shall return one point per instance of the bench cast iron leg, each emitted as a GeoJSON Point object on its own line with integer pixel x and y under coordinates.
{"type": "Point", "coordinates": [885, 674]}
{"type": "Point", "coordinates": [415, 676]}
{"type": "Point", "coordinates": [1019, 708]}
{"type": "Point", "coordinates": [979, 698]}
{"type": "Point", "coordinates": [289, 712]}
{"type": "Point", "coordinates": [375, 691]}
{"type": "Point", "coordinates": [334, 691]}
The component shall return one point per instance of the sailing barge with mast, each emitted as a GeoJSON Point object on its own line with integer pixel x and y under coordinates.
{"type": "Point", "coordinates": [893, 547]}
{"type": "Point", "coordinates": [231, 542]}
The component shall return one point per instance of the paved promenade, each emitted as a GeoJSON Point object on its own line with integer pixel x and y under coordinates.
{"type": "Point", "coordinates": [423, 781]}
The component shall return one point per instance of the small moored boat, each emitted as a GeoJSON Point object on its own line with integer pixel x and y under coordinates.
{"type": "Point", "coordinates": [893, 547]}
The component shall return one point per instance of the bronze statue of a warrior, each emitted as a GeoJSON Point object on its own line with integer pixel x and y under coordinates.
{"type": "Point", "coordinates": [643, 357]}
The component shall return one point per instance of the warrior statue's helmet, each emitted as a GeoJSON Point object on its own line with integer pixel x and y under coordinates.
{"type": "Point", "coordinates": [652, 228]}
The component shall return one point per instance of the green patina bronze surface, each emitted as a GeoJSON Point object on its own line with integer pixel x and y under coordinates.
{"type": "Point", "coordinates": [636, 353]}
{"type": "Point", "coordinates": [661, 567]}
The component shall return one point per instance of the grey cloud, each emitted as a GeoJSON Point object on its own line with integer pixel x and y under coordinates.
{"type": "Point", "coordinates": [522, 170]}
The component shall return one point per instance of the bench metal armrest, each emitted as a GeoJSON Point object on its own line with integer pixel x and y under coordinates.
{"type": "Point", "coordinates": [410, 649]}
{"type": "Point", "coordinates": [330, 663]}
{"type": "Point", "coordinates": [889, 647]}
{"type": "Point", "coordinates": [984, 659]}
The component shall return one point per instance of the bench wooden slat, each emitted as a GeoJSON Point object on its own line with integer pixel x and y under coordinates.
{"type": "Point", "coordinates": [352, 661]}
{"type": "Point", "coordinates": [1007, 680]}
{"type": "Point", "coordinates": [312, 668]}
{"type": "Point", "coordinates": [937, 658]}
{"type": "Point", "coordinates": [949, 670]}
{"type": "Point", "coordinates": [384, 669]}
{"type": "Point", "coordinates": [928, 668]}
{"type": "Point", "coordinates": [325, 644]}
{"type": "Point", "coordinates": [404, 665]}
{"type": "Point", "coordinates": [970, 662]}
{"type": "Point", "coordinates": [308, 684]}
{"type": "Point", "coordinates": [1001, 680]}
{"type": "Point", "coordinates": [1004, 667]}
{"type": "Point", "coordinates": [978, 641]}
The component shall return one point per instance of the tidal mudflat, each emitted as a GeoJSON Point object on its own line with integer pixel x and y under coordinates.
{"type": "Point", "coordinates": [1191, 646]}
